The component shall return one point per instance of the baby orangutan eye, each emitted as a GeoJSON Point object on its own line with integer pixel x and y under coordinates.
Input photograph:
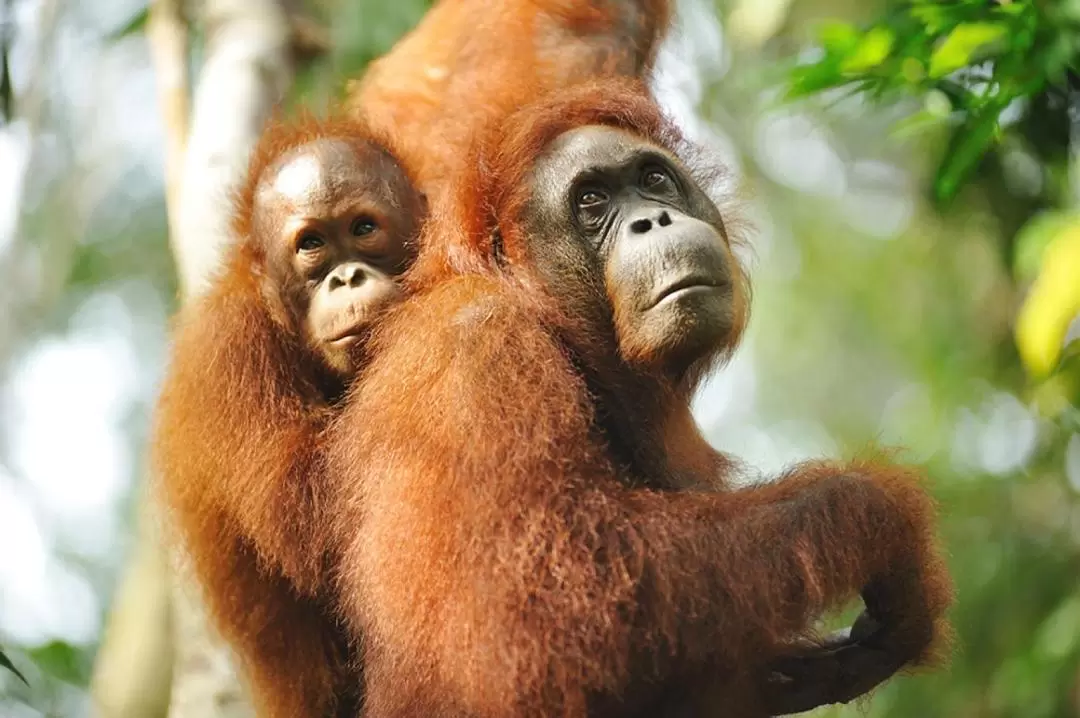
{"type": "Point", "coordinates": [363, 226]}
{"type": "Point", "coordinates": [309, 242]}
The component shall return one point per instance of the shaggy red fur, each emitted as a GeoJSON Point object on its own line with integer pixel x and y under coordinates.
{"type": "Point", "coordinates": [238, 450]}
{"type": "Point", "coordinates": [239, 438]}
{"type": "Point", "coordinates": [501, 560]}
{"type": "Point", "coordinates": [468, 60]}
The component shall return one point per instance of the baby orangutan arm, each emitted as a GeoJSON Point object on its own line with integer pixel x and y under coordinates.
{"type": "Point", "coordinates": [238, 432]}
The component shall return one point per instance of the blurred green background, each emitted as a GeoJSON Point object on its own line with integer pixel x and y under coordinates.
{"type": "Point", "coordinates": [909, 181]}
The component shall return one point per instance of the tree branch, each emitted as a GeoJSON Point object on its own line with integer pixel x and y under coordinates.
{"type": "Point", "coordinates": [247, 70]}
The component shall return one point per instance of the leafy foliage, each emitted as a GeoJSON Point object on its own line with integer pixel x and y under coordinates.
{"type": "Point", "coordinates": [990, 71]}
{"type": "Point", "coordinates": [969, 61]}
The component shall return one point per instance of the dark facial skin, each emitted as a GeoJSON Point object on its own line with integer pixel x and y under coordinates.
{"type": "Point", "coordinates": [338, 219]}
{"type": "Point", "coordinates": [657, 240]}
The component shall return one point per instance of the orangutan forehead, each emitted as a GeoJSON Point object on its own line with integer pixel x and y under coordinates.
{"type": "Point", "coordinates": [322, 168]}
{"type": "Point", "coordinates": [299, 176]}
{"type": "Point", "coordinates": [596, 147]}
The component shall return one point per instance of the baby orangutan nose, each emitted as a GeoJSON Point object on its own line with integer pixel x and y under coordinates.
{"type": "Point", "coordinates": [350, 274]}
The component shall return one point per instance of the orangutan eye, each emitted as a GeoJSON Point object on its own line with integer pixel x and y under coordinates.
{"type": "Point", "coordinates": [591, 208]}
{"type": "Point", "coordinates": [309, 242]}
{"type": "Point", "coordinates": [362, 226]}
{"type": "Point", "coordinates": [654, 177]}
{"type": "Point", "coordinates": [591, 199]}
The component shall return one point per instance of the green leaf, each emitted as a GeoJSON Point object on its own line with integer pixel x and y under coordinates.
{"type": "Point", "coordinates": [5, 662]}
{"type": "Point", "coordinates": [968, 145]}
{"type": "Point", "coordinates": [932, 16]}
{"type": "Point", "coordinates": [838, 37]}
{"type": "Point", "coordinates": [809, 79]}
{"type": "Point", "coordinates": [63, 661]}
{"type": "Point", "coordinates": [132, 27]}
{"type": "Point", "coordinates": [961, 46]}
{"type": "Point", "coordinates": [872, 50]}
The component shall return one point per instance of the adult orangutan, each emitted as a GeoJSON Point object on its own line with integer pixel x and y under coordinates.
{"type": "Point", "coordinates": [325, 224]}
{"type": "Point", "coordinates": [511, 535]}
{"type": "Point", "coordinates": [469, 61]}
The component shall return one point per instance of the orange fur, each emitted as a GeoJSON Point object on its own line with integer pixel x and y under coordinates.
{"type": "Point", "coordinates": [470, 60]}
{"type": "Point", "coordinates": [238, 450]}
{"type": "Point", "coordinates": [239, 437]}
{"type": "Point", "coordinates": [501, 558]}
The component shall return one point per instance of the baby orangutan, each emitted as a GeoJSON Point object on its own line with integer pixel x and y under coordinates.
{"type": "Point", "coordinates": [336, 218]}
{"type": "Point", "coordinates": [325, 224]}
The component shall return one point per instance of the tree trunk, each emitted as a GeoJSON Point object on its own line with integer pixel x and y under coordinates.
{"type": "Point", "coordinates": [158, 622]}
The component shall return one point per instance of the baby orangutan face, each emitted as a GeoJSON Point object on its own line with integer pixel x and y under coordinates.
{"type": "Point", "coordinates": [338, 218]}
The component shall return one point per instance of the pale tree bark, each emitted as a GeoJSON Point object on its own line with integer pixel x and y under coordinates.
{"type": "Point", "coordinates": [247, 70]}
{"type": "Point", "coordinates": [134, 667]}
{"type": "Point", "coordinates": [158, 622]}
{"type": "Point", "coordinates": [133, 672]}
{"type": "Point", "coordinates": [752, 23]}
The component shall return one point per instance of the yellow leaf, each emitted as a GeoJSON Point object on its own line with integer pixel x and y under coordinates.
{"type": "Point", "coordinates": [1052, 303]}
{"type": "Point", "coordinates": [871, 51]}
{"type": "Point", "coordinates": [960, 46]}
